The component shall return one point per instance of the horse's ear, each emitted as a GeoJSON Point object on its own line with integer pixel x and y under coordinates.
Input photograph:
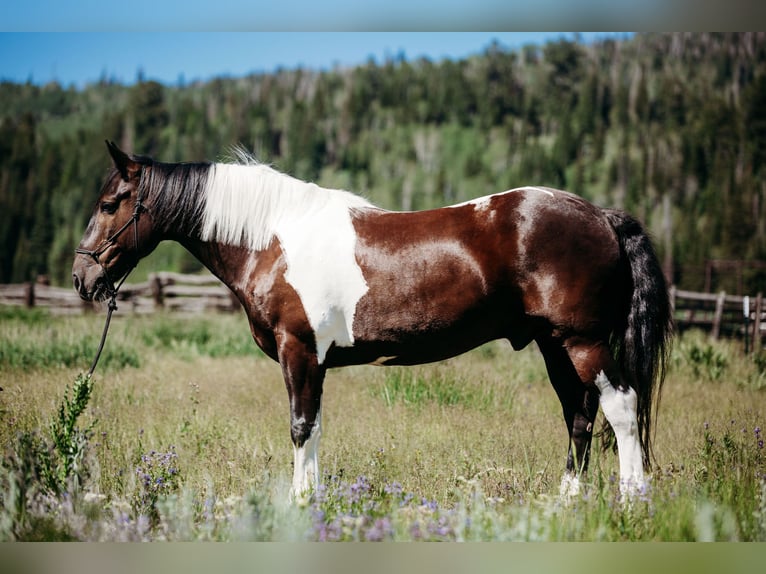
{"type": "Point", "coordinates": [126, 166]}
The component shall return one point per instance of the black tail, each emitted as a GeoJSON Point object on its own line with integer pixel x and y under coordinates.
{"type": "Point", "coordinates": [642, 346]}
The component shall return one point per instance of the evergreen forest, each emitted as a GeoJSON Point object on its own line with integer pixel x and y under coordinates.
{"type": "Point", "coordinates": [670, 127]}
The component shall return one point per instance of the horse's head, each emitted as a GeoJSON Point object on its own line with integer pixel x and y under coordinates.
{"type": "Point", "coordinates": [120, 230]}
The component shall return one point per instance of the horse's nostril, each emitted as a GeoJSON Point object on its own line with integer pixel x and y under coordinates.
{"type": "Point", "coordinates": [76, 281]}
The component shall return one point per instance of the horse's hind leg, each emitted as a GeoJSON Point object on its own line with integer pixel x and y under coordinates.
{"type": "Point", "coordinates": [579, 401]}
{"type": "Point", "coordinates": [620, 409]}
{"type": "Point", "coordinates": [619, 402]}
{"type": "Point", "coordinates": [587, 372]}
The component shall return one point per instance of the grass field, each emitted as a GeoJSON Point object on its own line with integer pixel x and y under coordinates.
{"type": "Point", "coordinates": [183, 435]}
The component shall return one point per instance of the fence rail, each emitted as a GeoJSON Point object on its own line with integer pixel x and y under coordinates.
{"type": "Point", "coordinates": [165, 290]}
{"type": "Point", "coordinates": [719, 314]}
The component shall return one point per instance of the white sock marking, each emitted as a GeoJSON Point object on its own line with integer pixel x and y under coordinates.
{"type": "Point", "coordinates": [306, 464]}
{"type": "Point", "coordinates": [620, 409]}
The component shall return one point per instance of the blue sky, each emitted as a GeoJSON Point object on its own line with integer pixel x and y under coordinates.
{"type": "Point", "coordinates": [81, 58]}
{"type": "Point", "coordinates": [321, 15]}
{"type": "Point", "coordinates": [79, 41]}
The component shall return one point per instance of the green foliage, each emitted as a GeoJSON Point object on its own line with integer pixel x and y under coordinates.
{"type": "Point", "coordinates": [70, 441]}
{"type": "Point", "coordinates": [198, 337]}
{"type": "Point", "coordinates": [48, 345]}
{"type": "Point", "coordinates": [705, 360]}
{"type": "Point", "coordinates": [414, 389]}
{"type": "Point", "coordinates": [625, 123]}
{"type": "Point", "coordinates": [158, 477]}
{"type": "Point", "coordinates": [67, 353]}
{"type": "Point", "coordinates": [759, 360]}
{"type": "Point", "coordinates": [734, 451]}
{"type": "Point", "coordinates": [25, 315]}
{"type": "Point", "coordinates": [39, 469]}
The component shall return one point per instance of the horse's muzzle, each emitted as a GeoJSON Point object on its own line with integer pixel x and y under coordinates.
{"type": "Point", "coordinates": [90, 282]}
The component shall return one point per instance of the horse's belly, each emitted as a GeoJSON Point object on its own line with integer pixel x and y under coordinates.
{"type": "Point", "coordinates": [402, 342]}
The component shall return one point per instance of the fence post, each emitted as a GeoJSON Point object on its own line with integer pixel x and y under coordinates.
{"type": "Point", "coordinates": [746, 313]}
{"type": "Point", "coordinates": [718, 314]}
{"type": "Point", "coordinates": [672, 294]}
{"type": "Point", "coordinates": [155, 284]}
{"type": "Point", "coordinates": [757, 323]}
{"type": "Point", "coordinates": [29, 294]}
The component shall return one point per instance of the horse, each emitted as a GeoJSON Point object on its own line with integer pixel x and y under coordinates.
{"type": "Point", "coordinates": [327, 280]}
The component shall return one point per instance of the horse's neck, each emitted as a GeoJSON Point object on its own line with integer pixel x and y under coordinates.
{"type": "Point", "coordinates": [224, 261]}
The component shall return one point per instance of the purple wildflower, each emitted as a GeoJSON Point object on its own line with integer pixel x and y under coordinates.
{"type": "Point", "coordinates": [358, 488]}
{"type": "Point", "coordinates": [380, 530]}
{"type": "Point", "coordinates": [393, 489]}
{"type": "Point", "coordinates": [441, 528]}
{"type": "Point", "coordinates": [415, 532]}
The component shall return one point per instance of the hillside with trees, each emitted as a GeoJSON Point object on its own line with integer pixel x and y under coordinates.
{"type": "Point", "coordinates": [671, 127]}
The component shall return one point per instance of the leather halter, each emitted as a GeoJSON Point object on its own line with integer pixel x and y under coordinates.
{"type": "Point", "coordinates": [138, 209]}
{"type": "Point", "coordinates": [111, 289]}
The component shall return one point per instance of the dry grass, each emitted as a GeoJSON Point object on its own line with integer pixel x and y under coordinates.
{"type": "Point", "coordinates": [497, 427]}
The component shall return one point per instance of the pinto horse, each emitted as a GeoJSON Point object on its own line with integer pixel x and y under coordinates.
{"type": "Point", "coordinates": [328, 280]}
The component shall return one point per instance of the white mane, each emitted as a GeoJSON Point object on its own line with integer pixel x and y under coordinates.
{"type": "Point", "coordinates": [247, 203]}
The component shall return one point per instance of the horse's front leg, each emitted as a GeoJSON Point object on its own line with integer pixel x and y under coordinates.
{"type": "Point", "coordinates": [303, 378]}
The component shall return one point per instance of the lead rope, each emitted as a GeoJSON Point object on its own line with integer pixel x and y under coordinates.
{"type": "Point", "coordinates": [113, 290]}
{"type": "Point", "coordinates": [112, 304]}
{"type": "Point", "coordinates": [111, 308]}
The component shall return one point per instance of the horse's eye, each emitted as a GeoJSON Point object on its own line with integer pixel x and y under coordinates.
{"type": "Point", "coordinates": [108, 207]}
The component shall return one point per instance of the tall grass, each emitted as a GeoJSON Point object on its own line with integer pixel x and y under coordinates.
{"type": "Point", "coordinates": [32, 339]}
{"type": "Point", "coordinates": [191, 443]}
{"type": "Point", "coordinates": [416, 387]}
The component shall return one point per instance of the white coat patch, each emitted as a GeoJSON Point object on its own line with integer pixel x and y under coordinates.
{"type": "Point", "coordinates": [532, 188]}
{"type": "Point", "coordinates": [250, 204]}
{"type": "Point", "coordinates": [322, 268]}
{"type": "Point", "coordinates": [482, 203]}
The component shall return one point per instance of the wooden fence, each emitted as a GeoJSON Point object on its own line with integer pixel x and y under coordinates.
{"type": "Point", "coordinates": [172, 291]}
{"type": "Point", "coordinates": [720, 314]}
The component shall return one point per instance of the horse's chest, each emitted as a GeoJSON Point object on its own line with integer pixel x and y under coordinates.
{"type": "Point", "coordinates": [321, 268]}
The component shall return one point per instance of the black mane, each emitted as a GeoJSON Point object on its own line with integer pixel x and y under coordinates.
{"type": "Point", "coordinates": [174, 193]}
